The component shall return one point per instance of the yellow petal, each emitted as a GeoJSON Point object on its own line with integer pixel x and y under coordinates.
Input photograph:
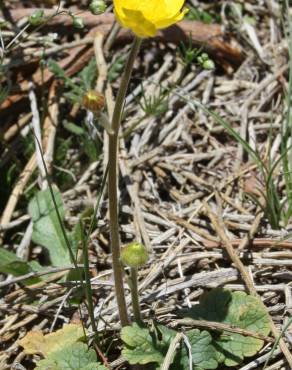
{"type": "Point", "coordinates": [163, 23]}
{"type": "Point", "coordinates": [135, 20]}
{"type": "Point", "coordinates": [145, 17]}
{"type": "Point", "coordinates": [174, 6]}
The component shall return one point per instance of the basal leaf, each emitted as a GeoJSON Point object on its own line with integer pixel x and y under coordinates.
{"type": "Point", "coordinates": [77, 356]}
{"type": "Point", "coordinates": [236, 309]}
{"type": "Point", "coordinates": [46, 227]}
{"type": "Point", "coordinates": [139, 347]}
{"type": "Point", "coordinates": [202, 353]}
{"type": "Point", "coordinates": [35, 342]}
{"type": "Point", "coordinates": [142, 347]}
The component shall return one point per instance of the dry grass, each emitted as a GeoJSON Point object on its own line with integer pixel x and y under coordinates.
{"type": "Point", "coordinates": [180, 174]}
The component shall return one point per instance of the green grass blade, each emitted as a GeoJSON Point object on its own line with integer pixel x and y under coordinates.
{"type": "Point", "coordinates": [286, 327]}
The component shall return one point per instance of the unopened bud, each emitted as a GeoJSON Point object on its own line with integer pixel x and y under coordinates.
{"type": "Point", "coordinates": [97, 7]}
{"type": "Point", "coordinates": [36, 18]}
{"type": "Point", "coordinates": [93, 101]}
{"type": "Point", "coordinates": [78, 22]}
{"type": "Point", "coordinates": [204, 56]}
{"type": "Point", "coordinates": [208, 64]}
{"type": "Point", "coordinates": [134, 255]}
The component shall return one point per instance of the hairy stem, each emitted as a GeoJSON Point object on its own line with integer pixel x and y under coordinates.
{"type": "Point", "coordinates": [113, 184]}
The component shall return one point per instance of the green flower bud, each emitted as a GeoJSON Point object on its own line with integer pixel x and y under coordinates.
{"type": "Point", "coordinates": [78, 22]}
{"type": "Point", "coordinates": [134, 255]}
{"type": "Point", "coordinates": [208, 64]}
{"type": "Point", "coordinates": [97, 7]}
{"type": "Point", "coordinates": [204, 56]}
{"type": "Point", "coordinates": [36, 18]}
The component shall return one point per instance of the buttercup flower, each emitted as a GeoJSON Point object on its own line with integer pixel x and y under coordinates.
{"type": "Point", "coordinates": [145, 17]}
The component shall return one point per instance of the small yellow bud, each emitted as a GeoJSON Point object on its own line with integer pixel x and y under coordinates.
{"type": "Point", "coordinates": [93, 101]}
{"type": "Point", "coordinates": [134, 255]}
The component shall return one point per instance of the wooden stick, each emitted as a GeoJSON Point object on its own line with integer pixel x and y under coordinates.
{"type": "Point", "coordinates": [212, 325]}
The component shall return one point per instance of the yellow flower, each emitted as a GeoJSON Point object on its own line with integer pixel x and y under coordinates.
{"type": "Point", "coordinates": [145, 17]}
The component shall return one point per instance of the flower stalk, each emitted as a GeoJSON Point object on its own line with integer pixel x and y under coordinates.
{"type": "Point", "coordinates": [135, 255]}
{"type": "Point", "coordinates": [113, 183]}
{"type": "Point", "coordinates": [135, 296]}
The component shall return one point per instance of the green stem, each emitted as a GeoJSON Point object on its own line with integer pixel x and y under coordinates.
{"type": "Point", "coordinates": [113, 184]}
{"type": "Point", "coordinates": [88, 289]}
{"type": "Point", "coordinates": [135, 296]}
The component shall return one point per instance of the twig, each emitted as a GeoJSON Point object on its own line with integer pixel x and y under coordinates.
{"type": "Point", "coordinates": [14, 223]}
{"type": "Point", "coordinates": [51, 121]}
{"type": "Point", "coordinates": [257, 243]}
{"type": "Point", "coordinates": [36, 127]}
{"type": "Point", "coordinates": [18, 190]}
{"type": "Point", "coordinates": [260, 360]}
{"type": "Point", "coordinates": [14, 129]}
{"type": "Point", "coordinates": [171, 352]}
{"type": "Point", "coordinates": [218, 326]}
{"type": "Point", "coordinates": [35, 274]}
{"type": "Point", "coordinates": [22, 249]}
{"type": "Point", "coordinates": [66, 296]}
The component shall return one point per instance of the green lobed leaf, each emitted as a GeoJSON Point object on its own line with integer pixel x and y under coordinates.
{"type": "Point", "coordinates": [206, 350]}
{"type": "Point", "coordinates": [139, 347]}
{"type": "Point", "coordinates": [239, 310]}
{"type": "Point", "coordinates": [202, 353]}
{"type": "Point", "coordinates": [142, 347]}
{"type": "Point", "coordinates": [74, 357]}
{"type": "Point", "coordinates": [46, 227]}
